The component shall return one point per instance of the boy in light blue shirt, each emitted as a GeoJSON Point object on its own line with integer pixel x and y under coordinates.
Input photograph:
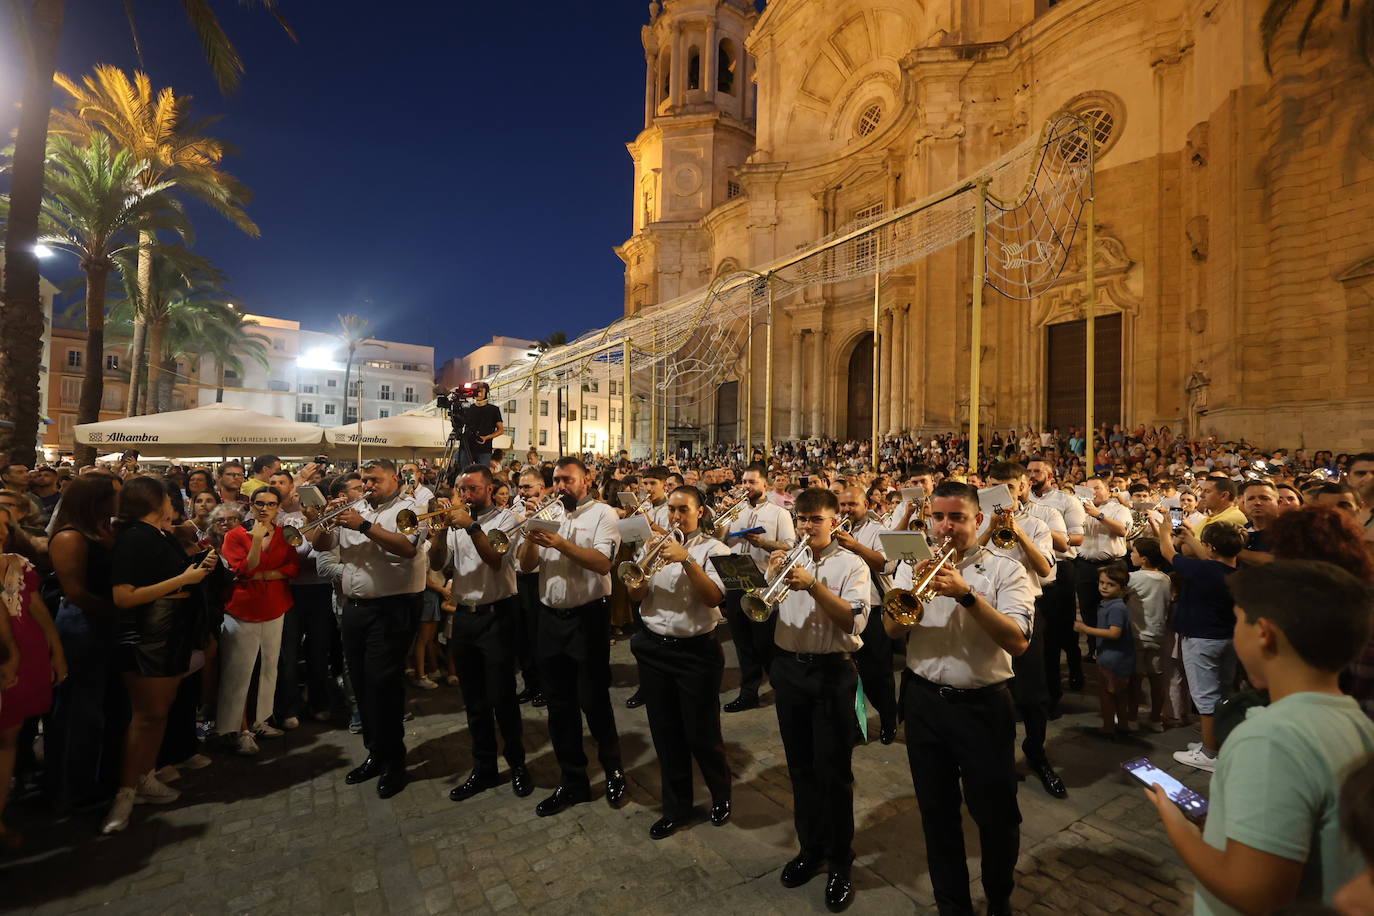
{"type": "Point", "coordinates": [1272, 835]}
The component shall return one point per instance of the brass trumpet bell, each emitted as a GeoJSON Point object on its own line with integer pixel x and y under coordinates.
{"type": "Point", "coordinates": [901, 605]}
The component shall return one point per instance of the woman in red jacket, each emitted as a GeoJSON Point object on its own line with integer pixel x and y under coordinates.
{"type": "Point", "coordinates": [263, 565]}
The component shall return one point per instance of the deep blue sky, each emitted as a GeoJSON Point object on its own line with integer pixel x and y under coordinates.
{"type": "Point", "coordinates": [449, 169]}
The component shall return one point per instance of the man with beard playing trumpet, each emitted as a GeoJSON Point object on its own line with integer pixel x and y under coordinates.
{"type": "Point", "coordinates": [680, 659]}
{"type": "Point", "coordinates": [485, 628]}
{"type": "Point", "coordinates": [960, 719]}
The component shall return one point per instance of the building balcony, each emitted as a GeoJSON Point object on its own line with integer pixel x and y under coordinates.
{"type": "Point", "coordinates": [307, 418]}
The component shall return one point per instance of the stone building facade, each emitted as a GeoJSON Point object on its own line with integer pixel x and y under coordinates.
{"type": "Point", "coordinates": [1235, 209]}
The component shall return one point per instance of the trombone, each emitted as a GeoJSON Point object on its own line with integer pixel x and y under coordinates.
{"type": "Point", "coordinates": [908, 605]}
{"type": "Point", "coordinates": [326, 522]}
{"type": "Point", "coordinates": [408, 522]}
{"type": "Point", "coordinates": [636, 574]}
{"type": "Point", "coordinates": [759, 604]}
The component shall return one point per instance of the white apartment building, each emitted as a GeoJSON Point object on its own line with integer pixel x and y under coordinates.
{"type": "Point", "coordinates": [305, 377]}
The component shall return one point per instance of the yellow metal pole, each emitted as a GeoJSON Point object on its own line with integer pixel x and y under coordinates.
{"type": "Point", "coordinates": [360, 414]}
{"type": "Point", "coordinates": [877, 340]}
{"type": "Point", "coordinates": [534, 411]}
{"type": "Point", "coordinates": [749, 389]}
{"type": "Point", "coordinates": [625, 428]}
{"type": "Point", "coordinates": [1092, 334]}
{"type": "Point", "coordinates": [980, 235]}
{"type": "Point", "coordinates": [768, 381]}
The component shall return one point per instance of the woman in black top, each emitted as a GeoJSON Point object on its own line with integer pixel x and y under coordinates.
{"type": "Point", "coordinates": [86, 728]}
{"type": "Point", "coordinates": [156, 635]}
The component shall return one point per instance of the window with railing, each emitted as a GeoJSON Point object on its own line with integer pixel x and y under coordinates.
{"type": "Point", "coordinates": [543, 437]}
{"type": "Point", "coordinates": [71, 392]}
{"type": "Point", "coordinates": [589, 412]}
{"type": "Point", "coordinates": [351, 415]}
{"type": "Point", "coordinates": [543, 408]}
{"type": "Point", "coordinates": [410, 397]}
{"type": "Point", "coordinates": [384, 393]}
{"type": "Point", "coordinates": [303, 417]}
{"type": "Point", "coordinates": [331, 383]}
{"type": "Point", "coordinates": [310, 389]}
{"type": "Point", "coordinates": [330, 410]}
{"type": "Point", "coordinates": [111, 361]}
{"type": "Point", "coordinates": [74, 359]}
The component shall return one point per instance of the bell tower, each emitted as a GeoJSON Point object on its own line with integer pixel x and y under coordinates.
{"type": "Point", "coordinates": [699, 110]}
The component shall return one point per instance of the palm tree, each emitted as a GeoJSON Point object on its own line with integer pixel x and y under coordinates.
{"type": "Point", "coordinates": [227, 339]}
{"type": "Point", "coordinates": [39, 27]}
{"type": "Point", "coordinates": [155, 127]}
{"type": "Point", "coordinates": [94, 208]}
{"type": "Point", "coordinates": [1277, 13]}
{"type": "Point", "coordinates": [352, 333]}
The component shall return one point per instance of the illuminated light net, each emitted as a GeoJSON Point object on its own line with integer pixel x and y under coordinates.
{"type": "Point", "coordinates": [682, 350]}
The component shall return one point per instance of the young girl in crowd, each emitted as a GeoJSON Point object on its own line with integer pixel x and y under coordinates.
{"type": "Point", "coordinates": [1115, 649]}
{"type": "Point", "coordinates": [1148, 594]}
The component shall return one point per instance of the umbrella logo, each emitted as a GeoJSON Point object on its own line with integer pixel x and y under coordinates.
{"type": "Point", "coordinates": [95, 438]}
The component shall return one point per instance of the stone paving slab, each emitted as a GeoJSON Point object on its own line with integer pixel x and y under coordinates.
{"type": "Point", "coordinates": [282, 833]}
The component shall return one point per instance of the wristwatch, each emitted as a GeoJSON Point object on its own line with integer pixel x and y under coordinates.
{"type": "Point", "coordinates": [969, 599]}
{"type": "Point", "coordinates": [364, 527]}
{"type": "Point", "coordinates": [473, 529]}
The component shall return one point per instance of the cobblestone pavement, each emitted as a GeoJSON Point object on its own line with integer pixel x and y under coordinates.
{"type": "Point", "coordinates": [282, 833]}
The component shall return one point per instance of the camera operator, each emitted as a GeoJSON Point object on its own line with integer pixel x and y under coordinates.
{"type": "Point", "coordinates": [478, 420]}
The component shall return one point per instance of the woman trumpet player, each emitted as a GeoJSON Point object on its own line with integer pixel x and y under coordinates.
{"type": "Point", "coordinates": [680, 659]}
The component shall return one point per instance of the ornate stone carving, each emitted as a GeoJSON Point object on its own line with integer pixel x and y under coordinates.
{"type": "Point", "coordinates": [1198, 146]}
{"type": "Point", "coordinates": [1197, 232]}
{"type": "Point", "coordinates": [1067, 300]}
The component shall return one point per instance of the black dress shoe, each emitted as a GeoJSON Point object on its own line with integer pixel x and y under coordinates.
{"type": "Point", "coordinates": [1000, 908]}
{"type": "Point", "coordinates": [476, 782]}
{"type": "Point", "coordinates": [635, 701]}
{"type": "Point", "coordinates": [520, 781]}
{"type": "Point", "coordinates": [525, 696]}
{"type": "Point", "coordinates": [1076, 684]}
{"type": "Point", "coordinates": [887, 734]}
{"type": "Point", "coordinates": [741, 703]}
{"type": "Point", "coordinates": [370, 769]}
{"type": "Point", "coordinates": [615, 786]}
{"type": "Point", "coordinates": [800, 870]}
{"type": "Point", "coordinates": [539, 702]}
{"type": "Point", "coordinates": [839, 892]}
{"type": "Point", "coordinates": [720, 812]}
{"type": "Point", "coordinates": [561, 799]}
{"type": "Point", "coordinates": [1051, 781]}
{"type": "Point", "coordinates": [391, 782]}
{"type": "Point", "coordinates": [665, 827]}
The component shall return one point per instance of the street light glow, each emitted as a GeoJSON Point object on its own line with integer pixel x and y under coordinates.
{"type": "Point", "coordinates": [43, 251]}
{"type": "Point", "coordinates": [318, 358]}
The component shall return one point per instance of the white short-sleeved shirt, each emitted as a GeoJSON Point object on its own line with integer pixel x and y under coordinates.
{"type": "Point", "coordinates": [369, 569]}
{"type": "Point", "coordinates": [1071, 510]}
{"type": "Point", "coordinates": [671, 606]}
{"type": "Point", "coordinates": [867, 535]}
{"type": "Point", "coordinates": [563, 584]}
{"type": "Point", "coordinates": [1038, 533]}
{"type": "Point", "coordinates": [1097, 543]}
{"type": "Point", "coordinates": [1054, 520]}
{"type": "Point", "coordinates": [803, 627]}
{"type": "Point", "coordinates": [776, 523]}
{"type": "Point", "coordinates": [474, 582]}
{"type": "Point", "coordinates": [949, 647]}
{"type": "Point", "coordinates": [658, 515]}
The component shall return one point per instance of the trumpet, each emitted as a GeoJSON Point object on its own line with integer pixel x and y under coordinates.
{"type": "Point", "coordinates": [326, 522]}
{"type": "Point", "coordinates": [636, 574]}
{"type": "Point", "coordinates": [759, 604]}
{"type": "Point", "coordinates": [1003, 535]}
{"type": "Point", "coordinates": [918, 513]}
{"type": "Point", "coordinates": [500, 541]}
{"type": "Point", "coordinates": [726, 513]}
{"type": "Point", "coordinates": [1140, 521]}
{"type": "Point", "coordinates": [408, 522]}
{"type": "Point", "coordinates": [908, 605]}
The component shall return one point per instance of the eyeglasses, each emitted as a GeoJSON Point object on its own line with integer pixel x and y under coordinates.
{"type": "Point", "coordinates": [266, 505]}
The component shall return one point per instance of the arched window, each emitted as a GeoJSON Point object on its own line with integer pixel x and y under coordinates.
{"type": "Point", "coordinates": [693, 69]}
{"type": "Point", "coordinates": [725, 67]}
{"type": "Point", "coordinates": [665, 71]}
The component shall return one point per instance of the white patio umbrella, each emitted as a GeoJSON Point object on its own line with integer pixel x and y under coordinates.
{"type": "Point", "coordinates": [424, 429]}
{"type": "Point", "coordinates": [213, 427]}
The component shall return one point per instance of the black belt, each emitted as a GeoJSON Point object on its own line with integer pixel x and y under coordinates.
{"type": "Point", "coordinates": [674, 640]}
{"type": "Point", "coordinates": [571, 612]}
{"type": "Point", "coordinates": [1106, 562]}
{"type": "Point", "coordinates": [812, 658]}
{"type": "Point", "coordinates": [946, 692]}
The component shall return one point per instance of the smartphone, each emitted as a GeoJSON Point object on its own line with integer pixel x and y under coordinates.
{"type": "Point", "coordinates": [804, 482]}
{"type": "Point", "coordinates": [310, 495]}
{"type": "Point", "coordinates": [1176, 517]}
{"type": "Point", "coordinates": [1191, 803]}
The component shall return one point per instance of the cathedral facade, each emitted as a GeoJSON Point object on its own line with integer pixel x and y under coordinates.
{"type": "Point", "coordinates": [1234, 211]}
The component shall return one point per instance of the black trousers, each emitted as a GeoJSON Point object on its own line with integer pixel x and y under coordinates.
{"type": "Point", "coordinates": [874, 661]}
{"type": "Point", "coordinates": [1085, 584]}
{"type": "Point", "coordinates": [575, 670]}
{"type": "Point", "coordinates": [312, 619]}
{"type": "Point", "coordinates": [483, 647]}
{"type": "Point", "coordinates": [1029, 691]}
{"type": "Point", "coordinates": [753, 644]}
{"type": "Point", "coordinates": [1060, 638]}
{"type": "Point", "coordinates": [376, 637]}
{"type": "Point", "coordinates": [527, 634]}
{"type": "Point", "coordinates": [970, 740]}
{"type": "Point", "coordinates": [815, 703]}
{"type": "Point", "coordinates": [679, 680]}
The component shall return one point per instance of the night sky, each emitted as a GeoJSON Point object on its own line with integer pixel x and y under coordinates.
{"type": "Point", "coordinates": [450, 170]}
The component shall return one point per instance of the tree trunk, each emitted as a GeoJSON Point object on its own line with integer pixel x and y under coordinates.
{"type": "Point", "coordinates": [93, 388]}
{"type": "Point", "coordinates": [157, 336]}
{"type": "Point", "coordinates": [146, 240]}
{"type": "Point", "coordinates": [166, 383]}
{"type": "Point", "coordinates": [219, 380]}
{"type": "Point", "coordinates": [21, 320]}
{"type": "Point", "coordinates": [138, 352]}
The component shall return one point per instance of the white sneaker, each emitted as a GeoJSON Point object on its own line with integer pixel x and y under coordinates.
{"type": "Point", "coordinates": [120, 811]}
{"type": "Point", "coordinates": [195, 762]}
{"type": "Point", "coordinates": [168, 774]}
{"type": "Point", "coordinates": [290, 722]}
{"type": "Point", "coordinates": [1194, 757]}
{"type": "Point", "coordinates": [263, 730]}
{"type": "Point", "coordinates": [424, 683]}
{"type": "Point", "coordinates": [246, 746]}
{"type": "Point", "coordinates": [1194, 745]}
{"type": "Point", "coordinates": [150, 791]}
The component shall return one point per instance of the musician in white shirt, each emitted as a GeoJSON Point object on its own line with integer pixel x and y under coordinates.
{"type": "Point", "coordinates": [819, 623]}
{"type": "Point", "coordinates": [655, 483]}
{"type": "Point", "coordinates": [681, 662]}
{"type": "Point", "coordinates": [1059, 598]}
{"type": "Point", "coordinates": [1104, 543]}
{"type": "Point", "coordinates": [485, 627]}
{"type": "Point", "coordinates": [574, 650]}
{"type": "Point", "coordinates": [531, 489]}
{"type": "Point", "coordinates": [874, 658]}
{"type": "Point", "coordinates": [382, 580]}
{"type": "Point", "coordinates": [960, 718]}
{"type": "Point", "coordinates": [754, 641]}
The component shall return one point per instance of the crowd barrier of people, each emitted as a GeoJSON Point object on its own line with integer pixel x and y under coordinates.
{"type": "Point", "coordinates": [159, 619]}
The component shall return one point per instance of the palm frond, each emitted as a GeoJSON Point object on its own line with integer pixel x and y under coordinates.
{"type": "Point", "coordinates": [225, 63]}
{"type": "Point", "coordinates": [133, 32]}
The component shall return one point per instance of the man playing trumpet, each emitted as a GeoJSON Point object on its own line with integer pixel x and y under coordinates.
{"type": "Point", "coordinates": [680, 659]}
{"type": "Point", "coordinates": [960, 719]}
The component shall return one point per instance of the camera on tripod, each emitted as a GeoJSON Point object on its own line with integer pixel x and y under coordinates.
{"type": "Point", "coordinates": [458, 400]}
